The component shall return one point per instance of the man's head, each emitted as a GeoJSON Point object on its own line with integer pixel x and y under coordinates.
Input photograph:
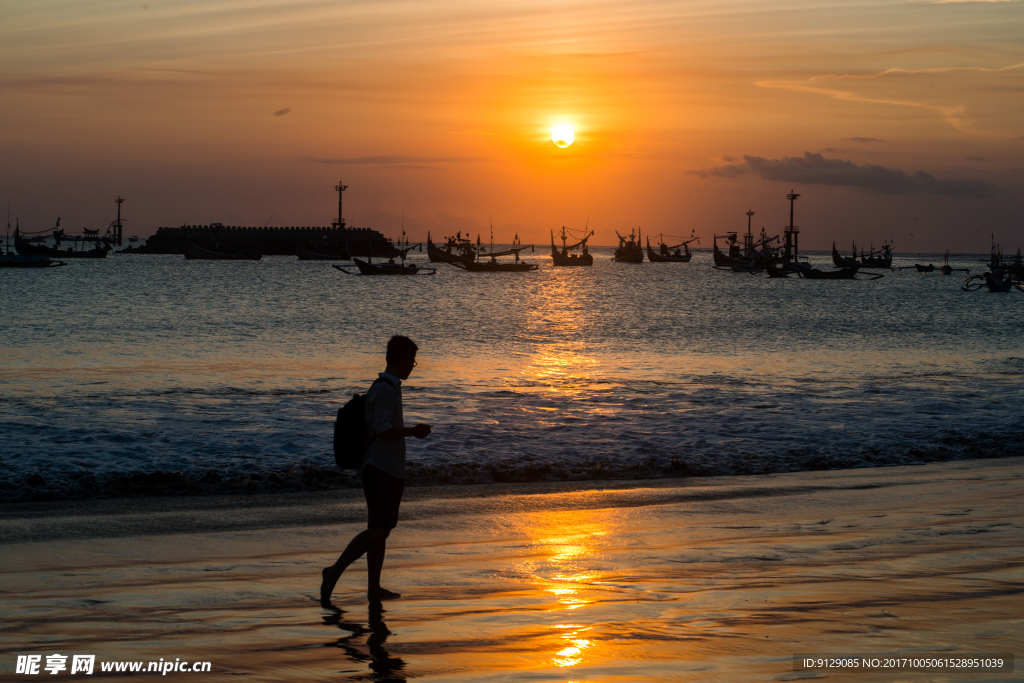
{"type": "Point", "coordinates": [401, 356]}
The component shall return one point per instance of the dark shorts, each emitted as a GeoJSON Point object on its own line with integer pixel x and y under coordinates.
{"type": "Point", "coordinates": [383, 496]}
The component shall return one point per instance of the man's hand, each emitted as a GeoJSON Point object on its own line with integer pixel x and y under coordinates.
{"type": "Point", "coordinates": [420, 431]}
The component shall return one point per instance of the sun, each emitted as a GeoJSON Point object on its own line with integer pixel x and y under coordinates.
{"type": "Point", "coordinates": [562, 135]}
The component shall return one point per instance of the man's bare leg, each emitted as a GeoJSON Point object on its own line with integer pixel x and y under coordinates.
{"type": "Point", "coordinates": [356, 548]}
{"type": "Point", "coordinates": [374, 564]}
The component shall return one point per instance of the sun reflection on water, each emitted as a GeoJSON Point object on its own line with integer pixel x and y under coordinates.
{"type": "Point", "coordinates": [566, 541]}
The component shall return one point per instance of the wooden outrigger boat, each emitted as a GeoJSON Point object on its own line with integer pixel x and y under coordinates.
{"type": "Point", "coordinates": [101, 248]}
{"type": "Point", "coordinates": [35, 261]}
{"type": "Point", "coordinates": [996, 282]}
{"type": "Point", "coordinates": [629, 249]}
{"type": "Point", "coordinates": [665, 255]}
{"type": "Point", "coordinates": [456, 249]}
{"type": "Point", "coordinates": [948, 269]}
{"type": "Point", "coordinates": [496, 266]}
{"type": "Point", "coordinates": [755, 255]}
{"type": "Point", "coordinates": [945, 269]}
{"type": "Point", "coordinates": [564, 258]}
{"type": "Point", "coordinates": [367, 267]}
{"type": "Point", "coordinates": [868, 260]}
{"type": "Point", "coordinates": [723, 260]}
{"type": "Point", "coordinates": [1002, 276]}
{"type": "Point", "coordinates": [841, 274]}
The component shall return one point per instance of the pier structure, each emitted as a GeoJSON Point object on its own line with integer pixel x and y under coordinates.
{"type": "Point", "coordinates": [269, 241]}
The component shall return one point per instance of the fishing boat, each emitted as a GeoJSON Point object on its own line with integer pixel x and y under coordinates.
{"type": "Point", "coordinates": [101, 245]}
{"type": "Point", "coordinates": [1002, 276]}
{"type": "Point", "coordinates": [732, 256]}
{"type": "Point", "coordinates": [841, 274]}
{"type": "Point", "coordinates": [883, 259]}
{"type": "Point", "coordinates": [368, 267]}
{"type": "Point", "coordinates": [629, 249]}
{"type": "Point", "coordinates": [456, 249]}
{"type": "Point", "coordinates": [194, 252]}
{"type": "Point", "coordinates": [996, 282]}
{"type": "Point", "coordinates": [563, 257]}
{"type": "Point", "coordinates": [754, 255]}
{"type": "Point", "coordinates": [496, 266]}
{"type": "Point", "coordinates": [22, 261]}
{"type": "Point", "coordinates": [665, 252]}
{"type": "Point", "coordinates": [948, 269]}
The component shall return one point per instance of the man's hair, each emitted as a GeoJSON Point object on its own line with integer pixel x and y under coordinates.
{"type": "Point", "coordinates": [400, 349]}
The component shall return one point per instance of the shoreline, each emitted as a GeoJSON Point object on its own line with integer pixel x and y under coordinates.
{"type": "Point", "coordinates": [722, 578]}
{"type": "Point", "coordinates": [156, 515]}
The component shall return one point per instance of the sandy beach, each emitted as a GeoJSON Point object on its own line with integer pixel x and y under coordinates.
{"type": "Point", "coordinates": [699, 579]}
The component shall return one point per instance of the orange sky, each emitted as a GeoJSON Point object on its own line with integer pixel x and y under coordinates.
{"type": "Point", "coordinates": [897, 120]}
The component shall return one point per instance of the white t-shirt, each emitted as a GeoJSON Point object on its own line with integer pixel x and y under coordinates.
{"type": "Point", "coordinates": [384, 411]}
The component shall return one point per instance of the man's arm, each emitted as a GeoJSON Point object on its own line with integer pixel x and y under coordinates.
{"type": "Point", "coordinates": [419, 431]}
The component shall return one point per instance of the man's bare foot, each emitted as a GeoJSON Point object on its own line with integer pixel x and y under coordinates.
{"type": "Point", "coordinates": [330, 579]}
{"type": "Point", "coordinates": [382, 594]}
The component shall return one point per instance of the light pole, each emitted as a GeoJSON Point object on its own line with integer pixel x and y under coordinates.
{"type": "Point", "coordinates": [341, 189]}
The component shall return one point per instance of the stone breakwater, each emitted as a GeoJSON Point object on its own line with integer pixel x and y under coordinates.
{"type": "Point", "coordinates": [268, 241]}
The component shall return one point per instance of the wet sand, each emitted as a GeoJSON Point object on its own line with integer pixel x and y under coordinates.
{"type": "Point", "coordinates": [717, 579]}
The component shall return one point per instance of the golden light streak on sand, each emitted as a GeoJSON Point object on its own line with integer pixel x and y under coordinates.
{"type": "Point", "coordinates": [715, 579]}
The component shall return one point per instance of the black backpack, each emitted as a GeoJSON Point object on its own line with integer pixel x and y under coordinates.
{"type": "Point", "coordinates": [351, 433]}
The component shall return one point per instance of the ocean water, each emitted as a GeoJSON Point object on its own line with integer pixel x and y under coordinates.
{"type": "Point", "coordinates": [137, 375]}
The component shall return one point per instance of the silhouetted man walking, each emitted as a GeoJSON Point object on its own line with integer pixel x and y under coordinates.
{"type": "Point", "coordinates": [383, 471]}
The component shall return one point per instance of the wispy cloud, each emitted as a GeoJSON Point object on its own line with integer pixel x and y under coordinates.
{"type": "Point", "coordinates": [398, 160]}
{"type": "Point", "coordinates": [815, 169]}
{"type": "Point", "coordinates": [863, 140]}
{"type": "Point", "coordinates": [955, 115]}
{"type": "Point", "coordinates": [965, 2]}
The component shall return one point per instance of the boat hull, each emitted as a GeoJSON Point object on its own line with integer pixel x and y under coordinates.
{"type": "Point", "coordinates": [635, 255]}
{"type": "Point", "coordinates": [497, 267]}
{"type": "Point", "coordinates": [572, 259]}
{"type": "Point", "coordinates": [22, 261]}
{"type": "Point", "coordinates": [367, 268]}
{"type": "Point", "coordinates": [438, 255]}
{"type": "Point", "coordinates": [842, 274]}
{"type": "Point", "coordinates": [655, 257]}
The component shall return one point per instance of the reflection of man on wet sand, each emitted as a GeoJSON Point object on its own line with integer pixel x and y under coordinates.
{"type": "Point", "coordinates": [383, 471]}
{"type": "Point", "coordinates": [381, 662]}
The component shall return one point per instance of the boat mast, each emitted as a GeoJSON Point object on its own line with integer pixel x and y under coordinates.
{"type": "Point", "coordinates": [792, 232]}
{"type": "Point", "coordinates": [748, 243]}
{"type": "Point", "coordinates": [117, 225]}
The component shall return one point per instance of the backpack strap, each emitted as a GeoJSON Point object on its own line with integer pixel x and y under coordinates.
{"type": "Point", "coordinates": [385, 381]}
